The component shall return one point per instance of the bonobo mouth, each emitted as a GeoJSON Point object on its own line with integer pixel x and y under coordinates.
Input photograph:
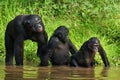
{"type": "Point", "coordinates": [39, 29]}
{"type": "Point", "coordinates": [95, 50]}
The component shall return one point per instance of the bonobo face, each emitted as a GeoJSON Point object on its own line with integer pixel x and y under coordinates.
{"type": "Point", "coordinates": [33, 23]}
{"type": "Point", "coordinates": [62, 33]}
{"type": "Point", "coordinates": [93, 44]}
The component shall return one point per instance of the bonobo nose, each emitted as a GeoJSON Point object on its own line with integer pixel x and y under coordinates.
{"type": "Point", "coordinates": [39, 28]}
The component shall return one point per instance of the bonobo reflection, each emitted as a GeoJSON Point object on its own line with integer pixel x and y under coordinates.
{"type": "Point", "coordinates": [85, 56]}
{"type": "Point", "coordinates": [58, 48]}
{"type": "Point", "coordinates": [13, 73]}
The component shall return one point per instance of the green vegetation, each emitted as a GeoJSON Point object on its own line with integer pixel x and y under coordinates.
{"type": "Point", "coordinates": [84, 18]}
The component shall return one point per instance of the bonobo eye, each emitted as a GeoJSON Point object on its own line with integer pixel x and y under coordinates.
{"type": "Point", "coordinates": [96, 45]}
{"type": "Point", "coordinates": [59, 35]}
{"type": "Point", "coordinates": [27, 22]}
{"type": "Point", "coordinates": [38, 20]}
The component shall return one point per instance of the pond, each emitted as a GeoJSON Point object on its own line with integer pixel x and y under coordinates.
{"type": "Point", "coordinates": [58, 73]}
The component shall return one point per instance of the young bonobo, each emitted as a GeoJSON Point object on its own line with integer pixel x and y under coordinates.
{"type": "Point", "coordinates": [21, 28]}
{"type": "Point", "coordinates": [85, 56]}
{"type": "Point", "coordinates": [57, 50]}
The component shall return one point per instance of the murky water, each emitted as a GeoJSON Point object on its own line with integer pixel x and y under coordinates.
{"type": "Point", "coordinates": [58, 73]}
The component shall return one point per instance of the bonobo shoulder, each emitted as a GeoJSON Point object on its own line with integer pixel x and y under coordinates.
{"type": "Point", "coordinates": [54, 40]}
{"type": "Point", "coordinates": [19, 19]}
{"type": "Point", "coordinates": [19, 16]}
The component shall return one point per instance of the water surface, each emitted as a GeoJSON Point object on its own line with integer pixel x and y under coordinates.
{"type": "Point", "coordinates": [58, 73]}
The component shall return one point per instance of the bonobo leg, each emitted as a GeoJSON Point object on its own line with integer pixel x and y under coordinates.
{"type": "Point", "coordinates": [18, 50]}
{"type": "Point", "coordinates": [9, 50]}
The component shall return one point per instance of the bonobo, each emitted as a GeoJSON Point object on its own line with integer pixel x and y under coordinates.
{"type": "Point", "coordinates": [85, 56]}
{"type": "Point", "coordinates": [57, 50]}
{"type": "Point", "coordinates": [21, 28]}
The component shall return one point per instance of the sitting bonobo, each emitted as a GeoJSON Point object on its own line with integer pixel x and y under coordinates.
{"type": "Point", "coordinates": [58, 48]}
{"type": "Point", "coordinates": [85, 56]}
{"type": "Point", "coordinates": [21, 28]}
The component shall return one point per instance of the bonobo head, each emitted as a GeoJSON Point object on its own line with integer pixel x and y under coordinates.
{"type": "Point", "coordinates": [93, 44]}
{"type": "Point", "coordinates": [62, 33]}
{"type": "Point", "coordinates": [33, 23]}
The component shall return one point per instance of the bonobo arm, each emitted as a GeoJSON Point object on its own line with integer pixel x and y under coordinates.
{"type": "Point", "coordinates": [42, 39]}
{"type": "Point", "coordinates": [53, 42]}
{"type": "Point", "coordinates": [73, 61]}
{"type": "Point", "coordinates": [18, 42]}
{"type": "Point", "coordinates": [47, 52]}
{"type": "Point", "coordinates": [86, 59]}
{"type": "Point", "coordinates": [44, 57]}
{"type": "Point", "coordinates": [72, 48]}
{"type": "Point", "coordinates": [42, 46]}
{"type": "Point", "coordinates": [104, 56]}
{"type": "Point", "coordinates": [45, 37]}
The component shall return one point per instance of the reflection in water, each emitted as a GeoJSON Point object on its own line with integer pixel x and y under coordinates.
{"type": "Point", "coordinates": [84, 73]}
{"type": "Point", "coordinates": [55, 73]}
{"type": "Point", "coordinates": [104, 72]}
{"type": "Point", "coordinates": [68, 73]}
{"type": "Point", "coordinates": [44, 73]}
{"type": "Point", "coordinates": [13, 73]}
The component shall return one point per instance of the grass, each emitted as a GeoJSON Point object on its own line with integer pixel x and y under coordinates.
{"type": "Point", "coordinates": [84, 19]}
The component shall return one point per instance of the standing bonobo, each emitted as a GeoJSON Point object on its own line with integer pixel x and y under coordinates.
{"type": "Point", "coordinates": [85, 56]}
{"type": "Point", "coordinates": [21, 28]}
{"type": "Point", "coordinates": [58, 48]}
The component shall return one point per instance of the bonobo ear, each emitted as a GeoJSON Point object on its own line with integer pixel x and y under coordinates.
{"type": "Point", "coordinates": [26, 22]}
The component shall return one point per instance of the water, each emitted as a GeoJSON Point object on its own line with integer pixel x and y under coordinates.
{"type": "Point", "coordinates": [58, 73]}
